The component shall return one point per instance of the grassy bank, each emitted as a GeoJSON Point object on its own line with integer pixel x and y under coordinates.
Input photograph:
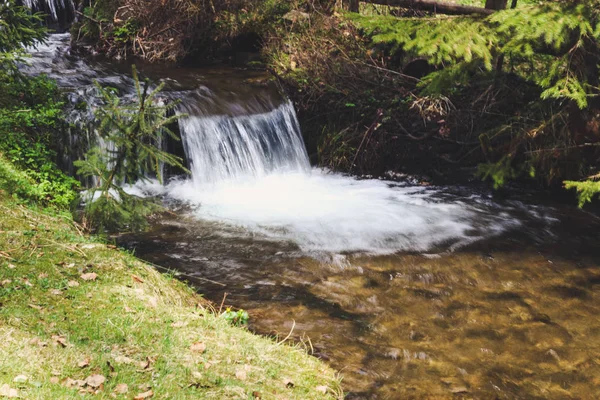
{"type": "Point", "coordinates": [79, 317]}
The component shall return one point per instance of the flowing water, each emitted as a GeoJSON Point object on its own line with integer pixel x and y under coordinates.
{"type": "Point", "coordinates": [410, 291]}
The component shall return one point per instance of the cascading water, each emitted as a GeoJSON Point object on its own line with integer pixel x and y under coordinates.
{"type": "Point", "coordinates": [250, 169]}
{"type": "Point", "coordinates": [240, 148]}
{"type": "Point", "coordinates": [57, 10]}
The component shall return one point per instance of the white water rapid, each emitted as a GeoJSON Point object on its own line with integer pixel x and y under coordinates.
{"type": "Point", "coordinates": [252, 171]}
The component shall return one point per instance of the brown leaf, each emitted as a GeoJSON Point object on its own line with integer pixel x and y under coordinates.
{"type": "Point", "coordinates": [11, 266]}
{"type": "Point", "coordinates": [35, 306]}
{"type": "Point", "coordinates": [137, 279]}
{"type": "Point", "coordinates": [7, 391]}
{"type": "Point", "coordinates": [5, 282]}
{"type": "Point", "coordinates": [121, 388]}
{"type": "Point", "coordinates": [37, 342]}
{"type": "Point", "coordinates": [241, 375]}
{"type": "Point", "coordinates": [90, 276]}
{"type": "Point", "coordinates": [198, 347]}
{"type": "Point", "coordinates": [54, 380]}
{"type": "Point", "coordinates": [95, 381]}
{"type": "Point", "coordinates": [145, 395]}
{"type": "Point", "coordinates": [61, 340]}
{"type": "Point", "coordinates": [84, 363]}
{"type": "Point", "coordinates": [123, 360]}
{"type": "Point", "coordinates": [42, 275]}
{"type": "Point", "coordinates": [322, 389]}
{"type": "Point", "coordinates": [73, 383]}
{"type": "Point", "coordinates": [73, 283]}
{"type": "Point", "coordinates": [56, 292]}
{"type": "Point", "coordinates": [178, 324]}
{"type": "Point", "coordinates": [256, 395]}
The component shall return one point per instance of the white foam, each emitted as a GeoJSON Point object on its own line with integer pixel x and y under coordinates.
{"type": "Point", "coordinates": [334, 213]}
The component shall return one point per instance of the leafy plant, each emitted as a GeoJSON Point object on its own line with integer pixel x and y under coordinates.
{"type": "Point", "coordinates": [236, 318]}
{"type": "Point", "coordinates": [131, 132]}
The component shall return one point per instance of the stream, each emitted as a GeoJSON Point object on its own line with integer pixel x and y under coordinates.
{"type": "Point", "coordinates": [409, 290]}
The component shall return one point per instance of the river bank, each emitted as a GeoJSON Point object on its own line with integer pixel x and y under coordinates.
{"type": "Point", "coordinates": [78, 317]}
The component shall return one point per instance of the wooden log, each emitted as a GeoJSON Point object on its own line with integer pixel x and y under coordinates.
{"type": "Point", "coordinates": [433, 6]}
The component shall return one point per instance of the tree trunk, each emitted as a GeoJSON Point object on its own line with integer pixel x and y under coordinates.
{"type": "Point", "coordinates": [352, 5]}
{"type": "Point", "coordinates": [496, 4]}
{"type": "Point", "coordinates": [435, 6]}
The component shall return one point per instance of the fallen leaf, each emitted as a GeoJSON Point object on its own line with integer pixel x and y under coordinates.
{"type": "Point", "coordinates": [198, 347]}
{"type": "Point", "coordinates": [42, 275]}
{"type": "Point", "coordinates": [256, 395]}
{"type": "Point", "coordinates": [137, 279]}
{"type": "Point", "coordinates": [73, 283]}
{"type": "Point", "coordinates": [95, 381]}
{"type": "Point", "coordinates": [84, 363]}
{"type": "Point", "coordinates": [11, 266]}
{"type": "Point", "coordinates": [197, 375]}
{"type": "Point", "coordinates": [20, 379]}
{"type": "Point", "coordinates": [5, 282]}
{"type": "Point", "coordinates": [145, 395]}
{"type": "Point", "coordinates": [37, 342]}
{"type": "Point", "coordinates": [56, 292]}
{"type": "Point", "coordinates": [152, 301]}
{"type": "Point", "coordinates": [178, 324]}
{"type": "Point", "coordinates": [73, 383]}
{"type": "Point", "coordinates": [322, 389]}
{"type": "Point", "coordinates": [123, 360]}
{"type": "Point", "coordinates": [122, 388]}
{"type": "Point", "coordinates": [288, 383]}
{"type": "Point", "coordinates": [54, 380]}
{"type": "Point", "coordinates": [26, 282]}
{"type": "Point", "coordinates": [60, 340]}
{"type": "Point", "coordinates": [241, 375]}
{"type": "Point", "coordinates": [7, 391]}
{"type": "Point", "coordinates": [35, 306]}
{"type": "Point", "coordinates": [90, 276]}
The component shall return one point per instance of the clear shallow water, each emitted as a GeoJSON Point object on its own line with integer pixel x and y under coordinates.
{"type": "Point", "coordinates": [513, 316]}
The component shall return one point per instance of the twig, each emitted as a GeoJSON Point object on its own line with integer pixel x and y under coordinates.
{"type": "Point", "coordinates": [222, 302]}
{"type": "Point", "coordinates": [289, 334]}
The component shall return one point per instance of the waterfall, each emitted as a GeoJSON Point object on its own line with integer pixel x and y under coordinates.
{"type": "Point", "coordinates": [250, 173]}
{"type": "Point", "coordinates": [236, 148]}
{"type": "Point", "coordinates": [57, 10]}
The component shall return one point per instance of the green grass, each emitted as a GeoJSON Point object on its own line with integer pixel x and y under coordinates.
{"type": "Point", "coordinates": [131, 324]}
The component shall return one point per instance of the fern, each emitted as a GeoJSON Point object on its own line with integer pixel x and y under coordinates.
{"type": "Point", "coordinates": [586, 190]}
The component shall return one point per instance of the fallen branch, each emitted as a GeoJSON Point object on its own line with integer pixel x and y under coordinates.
{"type": "Point", "coordinates": [433, 6]}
